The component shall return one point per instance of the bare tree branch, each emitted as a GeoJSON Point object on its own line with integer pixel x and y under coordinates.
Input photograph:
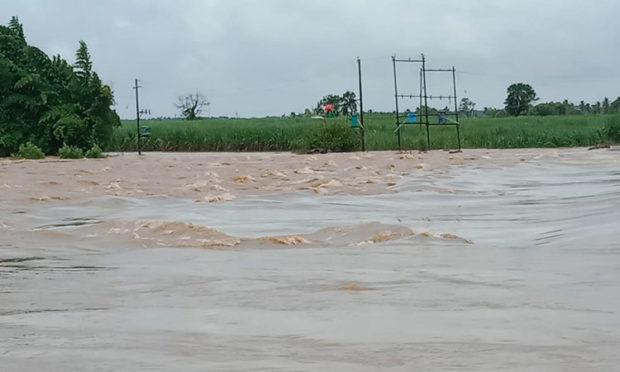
{"type": "Point", "coordinates": [191, 105]}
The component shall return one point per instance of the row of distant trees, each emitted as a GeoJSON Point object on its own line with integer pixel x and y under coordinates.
{"type": "Point", "coordinates": [562, 108]}
{"type": "Point", "coordinates": [568, 108]}
{"type": "Point", "coordinates": [192, 105]}
{"type": "Point", "coordinates": [521, 98]}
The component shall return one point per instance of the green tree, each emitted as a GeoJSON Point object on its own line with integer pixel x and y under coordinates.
{"type": "Point", "coordinates": [332, 99]}
{"type": "Point", "coordinates": [548, 108]}
{"type": "Point", "coordinates": [605, 106]}
{"type": "Point", "coordinates": [614, 107]}
{"type": "Point", "coordinates": [519, 99]}
{"type": "Point", "coordinates": [47, 101]}
{"type": "Point", "coordinates": [345, 104]}
{"type": "Point", "coordinates": [467, 106]}
{"type": "Point", "coordinates": [348, 103]}
{"type": "Point", "coordinates": [569, 108]}
{"type": "Point", "coordinates": [545, 109]}
{"type": "Point", "coordinates": [582, 107]}
{"type": "Point", "coordinates": [335, 100]}
{"type": "Point", "coordinates": [493, 112]}
{"type": "Point", "coordinates": [83, 64]}
{"type": "Point", "coordinates": [17, 29]}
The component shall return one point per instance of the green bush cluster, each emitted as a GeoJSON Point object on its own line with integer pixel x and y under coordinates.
{"type": "Point", "coordinates": [70, 152]}
{"type": "Point", "coordinates": [74, 152]}
{"type": "Point", "coordinates": [29, 151]}
{"type": "Point", "coordinates": [95, 152]}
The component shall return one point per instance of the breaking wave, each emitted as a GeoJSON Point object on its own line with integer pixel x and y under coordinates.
{"type": "Point", "coordinates": [162, 233]}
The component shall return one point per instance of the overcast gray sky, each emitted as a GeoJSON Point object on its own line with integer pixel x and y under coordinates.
{"type": "Point", "coordinates": [270, 57]}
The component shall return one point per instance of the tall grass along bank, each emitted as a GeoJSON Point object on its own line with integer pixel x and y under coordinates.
{"type": "Point", "coordinates": [336, 134]}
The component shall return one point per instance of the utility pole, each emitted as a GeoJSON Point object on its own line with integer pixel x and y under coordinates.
{"type": "Point", "coordinates": [138, 118]}
{"type": "Point", "coordinates": [396, 99]}
{"type": "Point", "coordinates": [456, 108]}
{"type": "Point", "coordinates": [428, 132]}
{"type": "Point", "coordinates": [359, 76]}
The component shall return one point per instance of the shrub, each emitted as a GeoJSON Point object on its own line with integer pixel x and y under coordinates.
{"type": "Point", "coordinates": [330, 136]}
{"type": "Point", "coordinates": [612, 129]}
{"type": "Point", "coordinates": [422, 144]}
{"type": "Point", "coordinates": [29, 151]}
{"type": "Point", "coordinates": [70, 152]}
{"type": "Point", "coordinates": [95, 152]}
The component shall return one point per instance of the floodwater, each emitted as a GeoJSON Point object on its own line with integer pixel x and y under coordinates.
{"type": "Point", "coordinates": [492, 268]}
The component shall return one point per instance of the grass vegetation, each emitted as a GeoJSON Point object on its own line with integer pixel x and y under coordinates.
{"type": "Point", "coordinates": [612, 130]}
{"type": "Point", "coordinates": [302, 134]}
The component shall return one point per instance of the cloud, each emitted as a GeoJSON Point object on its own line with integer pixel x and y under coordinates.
{"type": "Point", "coordinates": [271, 57]}
{"type": "Point", "coordinates": [121, 22]}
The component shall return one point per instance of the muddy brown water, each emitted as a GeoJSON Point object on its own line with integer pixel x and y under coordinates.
{"type": "Point", "coordinates": [466, 268]}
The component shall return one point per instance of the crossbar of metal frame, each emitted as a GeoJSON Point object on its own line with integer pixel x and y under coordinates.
{"type": "Point", "coordinates": [429, 97]}
{"type": "Point", "coordinates": [454, 124]}
{"type": "Point", "coordinates": [422, 122]}
{"type": "Point", "coordinates": [448, 113]}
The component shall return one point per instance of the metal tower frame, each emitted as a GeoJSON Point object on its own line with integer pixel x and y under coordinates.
{"type": "Point", "coordinates": [442, 119]}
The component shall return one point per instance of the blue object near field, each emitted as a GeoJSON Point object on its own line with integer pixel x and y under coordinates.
{"type": "Point", "coordinates": [354, 121]}
{"type": "Point", "coordinates": [441, 118]}
{"type": "Point", "coordinates": [412, 117]}
{"type": "Point", "coordinates": [145, 131]}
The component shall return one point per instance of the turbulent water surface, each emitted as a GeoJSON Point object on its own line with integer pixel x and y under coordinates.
{"type": "Point", "coordinates": [469, 268]}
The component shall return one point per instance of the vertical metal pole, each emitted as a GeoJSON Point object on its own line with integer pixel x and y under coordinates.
{"type": "Point", "coordinates": [396, 98]}
{"type": "Point", "coordinates": [428, 133]}
{"type": "Point", "coordinates": [359, 76]}
{"type": "Point", "coordinates": [420, 107]}
{"type": "Point", "coordinates": [456, 108]}
{"type": "Point", "coordinates": [138, 118]}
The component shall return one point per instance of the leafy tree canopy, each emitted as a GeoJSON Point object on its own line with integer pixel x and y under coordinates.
{"type": "Point", "coordinates": [467, 106]}
{"type": "Point", "coordinates": [47, 101]}
{"type": "Point", "coordinates": [345, 104]}
{"type": "Point", "coordinates": [520, 98]}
